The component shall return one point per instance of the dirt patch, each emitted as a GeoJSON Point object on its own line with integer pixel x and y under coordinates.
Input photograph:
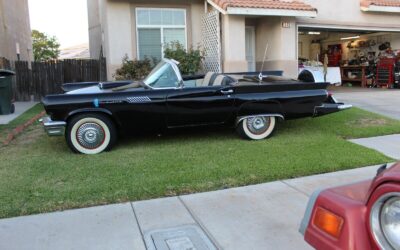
{"type": "Point", "coordinates": [20, 128]}
{"type": "Point", "coordinates": [30, 135]}
{"type": "Point", "coordinates": [367, 122]}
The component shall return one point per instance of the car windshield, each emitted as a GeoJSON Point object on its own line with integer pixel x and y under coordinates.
{"type": "Point", "coordinates": [162, 76]}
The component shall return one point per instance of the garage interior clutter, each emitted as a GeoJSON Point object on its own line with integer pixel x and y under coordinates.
{"type": "Point", "coordinates": [354, 58]}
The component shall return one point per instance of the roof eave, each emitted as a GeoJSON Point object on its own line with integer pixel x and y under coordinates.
{"type": "Point", "coordinates": [270, 12]}
{"type": "Point", "coordinates": [377, 8]}
{"type": "Point", "coordinates": [217, 7]}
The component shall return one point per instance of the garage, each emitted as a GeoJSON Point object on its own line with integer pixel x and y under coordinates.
{"type": "Point", "coordinates": [363, 58]}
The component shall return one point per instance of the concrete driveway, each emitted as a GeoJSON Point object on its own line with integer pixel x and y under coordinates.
{"type": "Point", "coordinates": [382, 101]}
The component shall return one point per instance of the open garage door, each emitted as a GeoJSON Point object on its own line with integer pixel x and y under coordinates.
{"type": "Point", "coordinates": [355, 57]}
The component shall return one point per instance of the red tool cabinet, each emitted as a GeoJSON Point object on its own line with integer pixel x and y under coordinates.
{"type": "Point", "coordinates": [385, 72]}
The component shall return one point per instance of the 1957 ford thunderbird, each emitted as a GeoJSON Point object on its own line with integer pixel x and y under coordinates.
{"type": "Point", "coordinates": [91, 115]}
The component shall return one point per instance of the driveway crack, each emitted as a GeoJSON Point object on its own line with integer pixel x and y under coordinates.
{"type": "Point", "coordinates": [202, 226]}
{"type": "Point", "coordinates": [137, 222]}
{"type": "Point", "coordinates": [295, 188]}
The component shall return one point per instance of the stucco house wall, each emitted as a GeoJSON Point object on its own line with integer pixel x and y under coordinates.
{"type": "Point", "coordinates": [15, 29]}
{"type": "Point", "coordinates": [112, 25]}
{"type": "Point", "coordinates": [95, 32]}
{"type": "Point", "coordinates": [348, 13]}
{"type": "Point", "coordinates": [115, 27]}
{"type": "Point", "coordinates": [282, 52]}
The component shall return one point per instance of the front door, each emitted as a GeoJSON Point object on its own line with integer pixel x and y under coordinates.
{"type": "Point", "coordinates": [250, 35]}
{"type": "Point", "coordinates": [193, 106]}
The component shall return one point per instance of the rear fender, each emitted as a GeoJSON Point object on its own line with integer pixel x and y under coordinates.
{"type": "Point", "coordinates": [266, 108]}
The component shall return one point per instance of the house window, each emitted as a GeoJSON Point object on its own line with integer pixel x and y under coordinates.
{"type": "Point", "coordinates": [155, 28]}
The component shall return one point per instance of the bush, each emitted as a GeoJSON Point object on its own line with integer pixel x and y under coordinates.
{"type": "Point", "coordinates": [134, 69]}
{"type": "Point", "coordinates": [190, 60]}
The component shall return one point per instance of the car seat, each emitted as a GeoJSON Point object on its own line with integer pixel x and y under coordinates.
{"type": "Point", "coordinates": [210, 76]}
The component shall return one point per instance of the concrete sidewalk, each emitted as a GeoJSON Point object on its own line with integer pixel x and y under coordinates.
{"type": "Point", "coordinates": [387, 144]}
{"type": "Point", "coordinates": [264, 216]}
{"type": "Point", "coordinates": [20, 108]}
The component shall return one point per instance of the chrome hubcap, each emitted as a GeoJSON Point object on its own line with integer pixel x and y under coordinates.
{"type": "Point", "coordinates": [90, 135]}
{"type": "Point", "coordinates": [258, 124]}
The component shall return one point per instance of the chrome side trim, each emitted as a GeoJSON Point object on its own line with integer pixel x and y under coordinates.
{"type": "Point", "coordinates": [53, 128]}
{"type": "Point", "coordinates": [138, 99]}
{"type": "Point", "coordinates": [307, 215]}
{"type": "Point", "coordinates": [241, 118]}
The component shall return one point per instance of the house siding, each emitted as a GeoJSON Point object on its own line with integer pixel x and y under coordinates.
{"type": "Point", "coordinates": [95, 31]}
{"type": "Point", "coordinates": [348, 13]}
{"type": "Point", "coordinates": [15, 28]}
{"type": "Point", "coordinates": [117, 30]}
{"type": "Point", "coordinates": [115, 27]}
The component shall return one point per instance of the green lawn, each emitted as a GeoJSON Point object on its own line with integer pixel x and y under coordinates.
{"type": "Point", "coordinates": [39, 173]}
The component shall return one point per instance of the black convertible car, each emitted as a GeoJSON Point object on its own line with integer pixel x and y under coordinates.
{"type": "Point", "coordinates": [91, 114]}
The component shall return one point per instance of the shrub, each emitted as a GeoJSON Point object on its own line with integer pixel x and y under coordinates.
{"type": "Point", "coordinates": [190, 60]}
{"type": "Point", "coordinates": [134, 69]}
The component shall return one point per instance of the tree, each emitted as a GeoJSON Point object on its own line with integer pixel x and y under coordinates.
{"type": "Point", "coordinates": [44, 47]}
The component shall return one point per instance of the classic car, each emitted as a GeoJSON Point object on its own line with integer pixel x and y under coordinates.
{"type": "Point", "coordinates": [90, 114]}
{"type": "Point", "coordinates": [359, 216]}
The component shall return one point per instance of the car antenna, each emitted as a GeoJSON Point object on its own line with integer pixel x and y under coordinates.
{"type": "Point", "coordinates": [260, 76]}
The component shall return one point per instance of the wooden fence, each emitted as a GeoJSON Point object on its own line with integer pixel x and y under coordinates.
{"type": "Point", "coordinates": [37, 79]}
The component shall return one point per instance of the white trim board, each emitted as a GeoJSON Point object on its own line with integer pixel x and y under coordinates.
{"type": "Point", "coordinates": [348, 27]}
{"type": "Point", "coordinates": [270, 12]}
{"type": "Point", "coordinates": [381, 9]}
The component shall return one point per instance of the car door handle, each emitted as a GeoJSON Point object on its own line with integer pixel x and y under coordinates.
{"type": "Point", "coordinates": [227, 92]}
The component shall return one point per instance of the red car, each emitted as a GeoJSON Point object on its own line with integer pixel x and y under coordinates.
{"type": "Point", "coordinates": [360, 216]}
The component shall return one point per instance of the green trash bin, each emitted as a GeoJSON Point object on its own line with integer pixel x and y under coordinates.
{"type": "Point", "coordinates": [6, 94]}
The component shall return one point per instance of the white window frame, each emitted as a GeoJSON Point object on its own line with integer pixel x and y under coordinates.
{"type": "Point", "coordinates": [159, 26]}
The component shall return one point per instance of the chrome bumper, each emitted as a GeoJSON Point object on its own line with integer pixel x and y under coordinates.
{"type": "Point", "coordinates": [307, 214]}
{"type": "Point", "coordinates": [345, 106]}
{"type": "Point", "coordinates": [53, 128]}
{"type": "Point", "coordinates": [329, 108]}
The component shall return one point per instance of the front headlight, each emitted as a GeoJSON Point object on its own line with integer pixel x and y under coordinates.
{"type": "Point", "coordinates": [390, 221]}
{"type": "Point", "coordinates": [385, 221]}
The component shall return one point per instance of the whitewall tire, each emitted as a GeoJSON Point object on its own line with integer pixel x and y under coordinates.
{"type": "Point", "coordinates": [90, 133]}
{"type": "Point", "coordinates": [256, 127]}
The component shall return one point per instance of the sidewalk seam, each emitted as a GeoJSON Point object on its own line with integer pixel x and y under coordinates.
{"type": "Point", "coordinates": [137, 222]}
{"type": "Point", "coordinates": [202, 226]}
{"type": "Point", "coordinates": [293, 187]}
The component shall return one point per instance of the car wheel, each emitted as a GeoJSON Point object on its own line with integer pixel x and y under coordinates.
{"type": "Point", "coordinates": [256, 127]}
{"type": "Point", "coordinates": [90, 133]}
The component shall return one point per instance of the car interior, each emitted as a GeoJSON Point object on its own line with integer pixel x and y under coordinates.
{"type": "Point", "coordinates": [218, 79]}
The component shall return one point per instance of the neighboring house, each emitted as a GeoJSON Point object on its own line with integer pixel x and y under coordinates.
{"type": "Point", "coordinates": [15, 30]}
{"type": "Point", "coordinates": [235, 33]}
{"type": "Point", "coordinates": [80, 51]}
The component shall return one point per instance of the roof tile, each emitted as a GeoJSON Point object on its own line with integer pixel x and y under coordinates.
{"type": "Point", "coordinates": [265, 4]}
{"type": "Point", "coordinates": [386, 3]}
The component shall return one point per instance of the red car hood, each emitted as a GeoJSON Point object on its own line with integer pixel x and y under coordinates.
{"type": "Point", "coordinates": [362, 191]}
